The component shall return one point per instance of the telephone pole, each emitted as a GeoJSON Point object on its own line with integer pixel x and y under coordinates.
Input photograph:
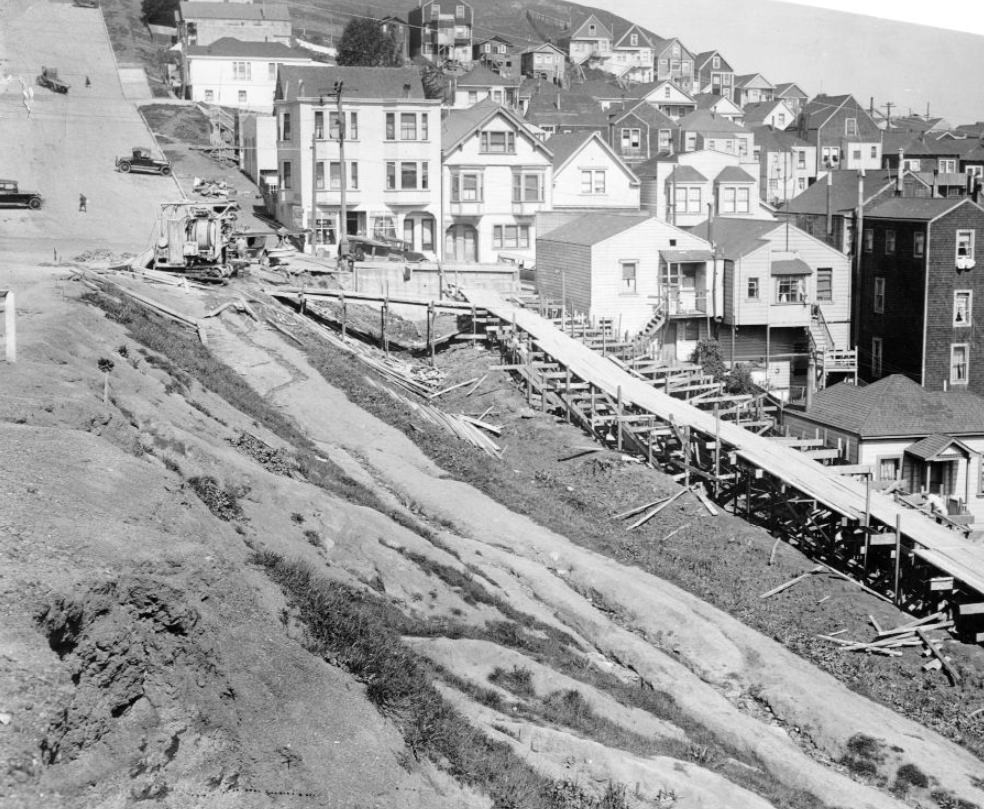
{"type": "Point", "coordinates": [342, 212]}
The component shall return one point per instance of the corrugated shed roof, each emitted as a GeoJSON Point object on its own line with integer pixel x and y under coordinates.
{"type": "Point", "coordinates": [919, 208]}
{"type": "Point", "coordinates": [191, 10]}
{"type": "Point", "coordinates": [391, 83]}
{"type": "Point", "coordinates": [897, 406]}
{"type": "Point", "coordinates": [733, 237]}
{"type": "Point", "coordinates": [229, 47]}
{"type": "Point", "coordinates": [734, 174]}
{"type": "Point", "coordinates": [593, 228]}
{"type": "Point", "coordinates": [686, 174]}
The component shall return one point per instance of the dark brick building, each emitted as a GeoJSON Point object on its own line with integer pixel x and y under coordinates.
{"type": "Point", "coordinates": [920, 280]}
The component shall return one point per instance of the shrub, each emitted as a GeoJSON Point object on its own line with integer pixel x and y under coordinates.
{"type": "Point", "coordinates": [223, 503]}
{"type": "Point", "coordinates": [909, 775]}
{"type": "Point", "coordinates": [519, 680]}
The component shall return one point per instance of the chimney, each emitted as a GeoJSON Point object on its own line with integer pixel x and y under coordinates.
{"type": "Point", "coordinates": [899, 187]}
{"type": "Point", "coordinates": [977, 190]}
{"type": "Point", "coordinates": [936, 183]}
{"type": "Point", "coordinates": [406, 90]}
{"type": "Point", "coordinates": [611, 129]}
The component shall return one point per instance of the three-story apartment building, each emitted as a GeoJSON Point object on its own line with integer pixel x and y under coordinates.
{"type": "Point", "coordinates": [496, 177]}
{"type": "Point", "coordinates": [391, 171]}
{"type": "Point", "coordinates": [442, 30]}
{"type": "Point", "coordinates": [843, 132]}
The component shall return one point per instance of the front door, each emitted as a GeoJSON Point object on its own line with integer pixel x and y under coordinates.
{"type": "Point", "coordinates": [687, 335]}
{"type": "Point", "coordinates": [462, 243]}
{"type": "Point", "coordinates": [355, 223]}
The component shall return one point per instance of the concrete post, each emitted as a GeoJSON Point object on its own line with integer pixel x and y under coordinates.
{"type": "Point", "coordinates": [10, 325]}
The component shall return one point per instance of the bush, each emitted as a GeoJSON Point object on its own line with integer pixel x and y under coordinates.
{"type": "Point", "coordinates": [708, 356]}
{"type": "Point", "coordinates": [909, 775]}
{"type": "Point", "coordinates": [519, 680]}
{"type": "Point", "coordinates": [223, 503]}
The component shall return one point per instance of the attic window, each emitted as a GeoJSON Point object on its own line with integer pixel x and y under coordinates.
{"type": "Point", "coordinates": [634, 40]}
{"type": "Point", "coordinates": [716, 63]}
{"type": "Point", "coordinates": [591, 29]}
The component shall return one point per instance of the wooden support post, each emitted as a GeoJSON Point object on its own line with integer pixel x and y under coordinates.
{"type": "Point", "coordinates": [867, 522]}
{"type": "Point", "coordinates": [344, 313]}
{"type": "Point", "coordinates": [717, 450]}
{"type": "Point", "coordinates": [618, 416]}
{"type": "Point", "coordinates": [898, 558]}
{"type": "Point", "coordinates": [567, 390]}
{"type": "Point", "coordinates": [10, 326]}
{"type": "Point", "coordinates": [430, 329]}
{"type": "Point", "coordinates": [686, 455]}
{"type": "Point", "coordinates": [382, 320]}
{"type": "Point", "coordinates": [474, 326]}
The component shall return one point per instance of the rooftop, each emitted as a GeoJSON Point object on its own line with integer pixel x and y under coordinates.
{"type": "Point", "coordinates": [229, 47]}
{"type": "Point", "coordinates": [734, 174]}
{"type": "Point", "coordinates": [593, 228]}
{"type": "Point", "coordinates": [234, 11]}
{"type": "Point", "coordinates": [843, 192]}
{"type": "Point", "coordinates": [391, 83]}
{"type": "Point", "coordinates": [735, 238]}
{"type": "Point", "coordinates": [481, 76]}
{"type": "Point", "coordinates": [920, 208]}
{"type": "Point", "coordinates": [706, 121]}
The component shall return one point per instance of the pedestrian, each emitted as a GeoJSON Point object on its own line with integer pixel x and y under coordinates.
{"type": "Point", "coordinates": [82, 202]}
{"type": "Point", "coordinates": [56, 254]}
{"type": "Point", "coordinates": [87, 82]}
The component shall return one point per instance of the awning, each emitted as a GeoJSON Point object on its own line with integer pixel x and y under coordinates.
{"type": "Point", "coordinates": [686, 256]}
{"type": "Point", "coordinates": [931, 448]}
{"type": "Point", "coordinates": [792, 266]}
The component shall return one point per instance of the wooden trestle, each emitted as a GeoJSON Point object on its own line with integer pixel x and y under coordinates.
{"type": "Point", "coordinates": [677, 419]}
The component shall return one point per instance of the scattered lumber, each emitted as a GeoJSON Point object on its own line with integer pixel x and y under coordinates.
{"type": "Point", "coordinates": [911, 626]}
{"type": "Point", "coordinates": [472, 389]}
{"type": "Point", "coordinates": [484, 425]}
{"type": "Point", "coordinates": [772, 554]}
{"type": "Point", "coordinates": [652, 513]}
{"type": "Point", "coordinates": [939, 656]}
{"type": "Point", "coordinates": [633, 511]}
{"type": "Point", "coordinates": [791, 582]}
{"type": "Point", "coordinates": [441, 392]}
{"type": "Point", "coordinates": [711, 508]}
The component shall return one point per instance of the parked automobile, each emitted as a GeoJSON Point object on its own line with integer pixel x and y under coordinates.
{"type": "Point", "coordinates": [141, 160]}
{"type": "Point", "coordinates": [362, 247]}
{"type": "Point", "coordinates": [11, 196]}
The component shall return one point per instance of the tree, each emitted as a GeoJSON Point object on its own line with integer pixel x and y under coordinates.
{"type": "Point", "coordinates": [364, 43]}
{"type": "Point", "coordinates": [159, 12]}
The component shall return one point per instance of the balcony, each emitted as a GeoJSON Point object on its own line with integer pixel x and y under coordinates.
{"type": "Point", "coordinates": [684, 301]}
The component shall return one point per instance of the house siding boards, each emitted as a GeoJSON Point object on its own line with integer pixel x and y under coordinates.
{"type": "Point", "coordinates": [202, 23]}
{"type": "Point", "coordinates": [438, 32]}
{"type": "Point", "coordinates": [675, 63]}
{"type": "Point", "coordinates": [719, 80]}
{"type": "Point", "coordinates": [824, 123]}
{"type": "Point", "coordinates": [621, 187]}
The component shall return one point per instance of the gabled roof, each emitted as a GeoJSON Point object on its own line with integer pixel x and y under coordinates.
{"type": "Point", "coordinates": [544, 46]}
{"type": "Point", "coordinates": [191, 10]}
{"type": "Point", "coordinates": [756, 113]}
{"type": "Point", "coordinates": [734, 174]}
{"type": "Point", "coordinates": [897, 406]}
{"type": "Point", "coordinates": [686, 174]}
{"type": "Point", "coordinates": [843, 192]}
{"type": "Point", "coordinates": [481, 76]}
{"type": "Point", "coordinates": [750, 79]}
{"type": "Point", "coordinates": [789, 89]}
{"type": "Point", "coordinates": [769, 139]}
{"type": "Point", "coordinates": [644, 40]}
{"type": "Point", "coordinates": [493, 38]}
{"type": "Point", "coordinates": [708, 101]}
{"type": "Point", "coordinates": [923, 209]}
{"type": "Point", "coordinates": [735, 238]}
{"type": "Point", "coordinates": [390, 83]}
{"type": "Point", "coordinates": [644, 111]}
{"type": "Point", "coordinates": [601, 31]}
{"type": "Point", "coordinates": [660, 44]}
{"type": "Point", "coordinates": [593, 228]}
{"type": "Point", "coordinates": [459, 124]}
{"type": "Point", "coordinates": [820, 109]}
{"type": "Point", "coordinates": [566, 146]}
{"type": "Point", "coordinates": [706, 121]}
{"type": "Point", "coordinates": [701, 60]}
{"type": "Point", "coordinates": [227, 47]}
{"type": "Point", "coordinates": [931, 447]}
{"type": "Point", "coordinates": [645, 90]}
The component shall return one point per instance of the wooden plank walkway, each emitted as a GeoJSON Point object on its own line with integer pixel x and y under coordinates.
{"type": "Point", "coordinates": [939, 546]}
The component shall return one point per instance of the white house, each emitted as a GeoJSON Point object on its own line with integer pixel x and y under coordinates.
{"type": "Point", "coordinates": [632, 56]}
{"type": "Point", "coordinates": [497, 175]}
{"type": "Point", "coordinates": [753, 88]}
{"type": "Point", "coordinates": [201, 23]}
{"type": "Point", "coordinates": [391, 171]}
{"type": "Point", "coordinates": [787, 164]}
{"type": "Point", "coordinates": [590, 42]}
{"type": "Point", "coordinates": [777, 114]}
{"type": "Point", "coordinates": [238, 74]}
{"type": "Point", "coordinates": [258, 148]}
{"type": "Point", "coordinates": [648, 278]}
{"type": "Point", "coordinates": [669, 99]}
{"type": "Point", "coordinates": [587, 173]}
{"type": "Point", "coordinates": [480, 83]}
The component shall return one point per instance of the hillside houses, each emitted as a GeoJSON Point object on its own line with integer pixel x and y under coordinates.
{"type": "Point", "coordinates": [844, 134]}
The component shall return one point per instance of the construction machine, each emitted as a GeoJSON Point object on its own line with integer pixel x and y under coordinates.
{"type": "Point", "coordinates": [195, 239]}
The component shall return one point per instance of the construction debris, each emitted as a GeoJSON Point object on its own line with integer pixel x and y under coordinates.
{"type": "Point", "coordinates": [213, 188]}
{"type": "Point", "coordinates": [791, 582]}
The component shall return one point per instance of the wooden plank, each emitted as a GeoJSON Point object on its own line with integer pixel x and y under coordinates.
{"type": "Point", "coordinates": [822, 454]}
{"type": "Point", "coordinates": [939, 656]}
{"type": "Point", "coordinates": [970, 608]}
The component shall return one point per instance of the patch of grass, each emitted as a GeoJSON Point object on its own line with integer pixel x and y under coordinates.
{"type": "Point", "coordinates": [314, 538]}
{"type": "Point", "coordinates": [907, 776]}
{"type": "Point", "coordinates": [518, 679]}
{"type": "Point", "coordinates": [222, 502]}
{"type": "Point", "coordinates": [864, 754]}
{"type": "Point", "coordinates": [362, 633]}
{"type": "Point", "coordinates": [947, 800]}
{"type": "Point", "coordinates": [297, 518]}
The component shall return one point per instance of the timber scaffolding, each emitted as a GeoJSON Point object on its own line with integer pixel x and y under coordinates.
{"type": "Point", "coordinates": [900, 554]}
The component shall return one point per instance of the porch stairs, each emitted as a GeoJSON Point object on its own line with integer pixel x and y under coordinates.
{"type": "Point", "coordinates": [828, 359]}
{"type": "Point", "coordinates": [642, 343]}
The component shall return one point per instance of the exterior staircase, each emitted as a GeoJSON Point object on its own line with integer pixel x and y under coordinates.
{"type": "Point", "coordinates": [642, 342]}
{"type": "Point", "coordinates": [828, 359]}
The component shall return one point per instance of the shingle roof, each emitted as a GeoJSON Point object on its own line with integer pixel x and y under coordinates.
{"type": "Point", "coordinates": [234, 11]}
{"type": "Point", "coordinates": [756, 113]}
{"type": "Point", "coordinates": [897, 406]}
{"type": "Point", "coordinates": [645, 112]}
{"type": "Point", "coordinates": [920, 208]}
{"type": "Point", "coordinates": [843, 192]}
{"type": "Point", "coordinates": [566, 144]}
{"type": "Point", "coordinates": [735, 238]}
{"type": "Point", "coordinates": [705, 121]}
{"type": "Point", "coordinates": [593, 228]}
{"type": "Point", "coordinates": [747, 78]}
{"type": "Point", "coordinates": [931, 446]}
{"type": "Point", "coordinates": [229, 47]}
{"type": "Point", "coordinates": [601, 32]}
{"type": "Point", "coordinates": [769, 139]}
{"type": "Point", "coordinates": [686, 174]}
{"type": "Point", "coordinates": [481, 76]}
{"type": "Point", "coordinates": [734, 174]}
{"type": "Point", "coordinates": [817, 110]}
{"type": "Point", "coordinates": [391, 83]}
{"type": "Point", "coordinates": [785, 90]}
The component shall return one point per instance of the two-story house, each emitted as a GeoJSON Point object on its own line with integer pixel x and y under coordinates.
{"type": "Point", "coordinates": [753, 88]}
{"type": "Point", "coordinates": [667, 98]}
{"type": "Point", "coordinates": [589, 174]}
{"type": "Point", "coordinates": [441, 31]}
{"type": "Point", "coordinates": [646, 277]}
{"type": "Point", "coordinates": [704, 130]}
{"type": "Point", "coordinates": [496, 177]}
{"type": "Point", "coordinates": [237, 74]}
{"type": "Point", "coordinates": [590, 43]}
{"type": "Point", "coordinates": [389, 179]}
{"type": "Point", "coordinates": [399, 30]}
{"type": "Point", "coordinates": [720, 106]}
{"type": "Point", "coordinates": [544, 61]}
{"type": "Point", "coordinates": [639, 132]}
{"type": "Point", "coordinates": [918, 290]}
{"type": "Point", "coordinates": [714, 75]}
{"type": "Point", "coordinates": [787, 164]}
{"type": "Point", "coordinates": [674, 63]}
{"type": "Point", "coordinates": [632, 56]}
{"type": "Point", "coordinates": [200, 23]}
{"type": "Point", "coordinates": [844, 133]}
{"type": "Point", "coordinates": [776, 114]}
{"type": "Point", "coordinates": [480, 83]}
{"type": "Point", "coordinates": [687, 188]}
{"type": "Point", "coordinates": [786, 296]}
{"type": "Point", "coordinates": [492, 52]}
{"type": "Point", "coordinates": [792, 94]}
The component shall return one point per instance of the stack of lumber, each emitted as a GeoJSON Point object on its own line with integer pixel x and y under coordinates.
{"type": "Point", "coordinates": [461, 426]}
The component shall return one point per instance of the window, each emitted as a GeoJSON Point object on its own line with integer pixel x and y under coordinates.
{"type": "Point", "coordinates": [435, 11]}
{"type": "Point", "coordinates": [272, 71]}
{"type": "Point", "coordinates": [390, 126]}
{"type": "Point", "coordinates": [962, 307]}
{"type": "Point", "coordinates": [850, 127]}
{"type": "Point", "coordinates": [688, 199]}
{"type": "Point", "coordinates": [716, 62]}
{"type": "Point", "coordinates": [825, 284]}
{"type": "Point", "coordinates": [959, 353]}
{"type": "Point", "coordinates": [459, 12]}
{"type": "Point", "coordinates": [800, 159]}
{"type": "Point", "coordinates": [424, 126]}
{"type": "Point", "coordinates": [209, 96]}
{"type": "Point", "coordinates": [878, 302]}
{"type": "Point", "coordinates": [634, 40]}
{"type": "Point", "coordinates": [408, 126]}
{"type": "Point", "coordinates": [285, 179]}
{"type": "Point", "coordinates": [427, 234]}
{"type": "Point", "coordinates": [675, 66]}
{"type": "Point", "coordinates": [353, 130]}
{"type": "Point", "coordinates": [752, 291]}
{"type": "Point", "coordinates": [801, 183]}
{"type": "Point", "coordinates": [242, 71]}
{"type": "Point", "coordinates": [743, 197]}
{"type": "Point", "coordinates": [334, 126]}
{"type": "Point", "coordinates": [466, 187]}
{"type": "Point", "coordinates": [498, 142]}
{"type": "Point", "coordinates": [790, 289]}
{"type": "Point", "coordinates": [856, 154]}
{"type": "Point", "coordinates": [874, 152]}
{"type": "Point", "coordinates": [664, 140]}
{"type": "Point", "coordinates": [965, 244]}
{"type": "Point", "coordinates": [729, 195]}
{"type": "Point", "coordinates": [334, 175]}
{"type": "Point", "coordinates": [948, 165]}
{"type": "Point", "coordinates": [527, 188]}
{"type": "Point", "coordinates": [918, 244]}
{"type": "Point", "coordinates": [889, 242]}
{"type": "Point", "coordinates": [869, 240]}
{"type": "Point", "coordinates": [628, 277]}
{"type": "Point", "coordinates": [510, 236]}
{"type": "Point", "coordinates": [593, 181]}
{"type": "Point", "coordinates": [408, 175]}
{"type": "Point", "coordinates": [631, 139]}
{"type": "Point", "coordinates": [889, 468]}
{"type": "Point", "coordinates": [472, 97]}
{"type": "Point", "coordinates": [319, 124]}
{"type": "Point", "coordinates": [285, 127]}
{"type": "Point", "coordinates": [319, 175]}
{"type": "Point", "coordinates": [876, 357]}
{"type": "Point", "coordinates": [592, 29]}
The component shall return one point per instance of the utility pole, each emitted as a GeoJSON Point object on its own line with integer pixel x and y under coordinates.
{"type": "Point", "coordinates": [342, 213]}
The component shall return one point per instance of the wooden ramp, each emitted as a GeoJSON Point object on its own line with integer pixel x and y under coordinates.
{"type": "Point", "coordinates": [876, 514]}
